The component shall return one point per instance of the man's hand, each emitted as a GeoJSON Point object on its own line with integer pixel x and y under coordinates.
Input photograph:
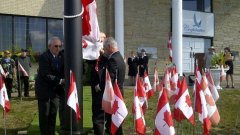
{"type": "Point", "coordinates": [97, 88]}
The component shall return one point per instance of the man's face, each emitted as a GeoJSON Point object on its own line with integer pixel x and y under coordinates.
{"type": "Point", "coordinates": [55, 47]}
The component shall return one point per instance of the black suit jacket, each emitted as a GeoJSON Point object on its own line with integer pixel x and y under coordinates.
{"type": "Point", "coordinates": [116, 68]}
{"type": "Point", "coordinates": [48, 78]}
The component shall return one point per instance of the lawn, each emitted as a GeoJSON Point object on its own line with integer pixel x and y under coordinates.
{"type": "Point", "coordinates": [23, 115]}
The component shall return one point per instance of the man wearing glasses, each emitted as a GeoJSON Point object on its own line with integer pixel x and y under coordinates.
{"type": "Point", "coordinates": [49, 86]}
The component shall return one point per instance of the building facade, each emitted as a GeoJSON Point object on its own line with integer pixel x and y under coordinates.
{"type": "Point", "coordinates": [29, 24]}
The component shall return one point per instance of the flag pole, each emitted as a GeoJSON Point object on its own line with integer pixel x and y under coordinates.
{"type": "Point", "coordinates": [73, 61]}
{"type": "Point", "coordinates": [4, 119]}
{"type": "Point", "coordinates": [19, 81]}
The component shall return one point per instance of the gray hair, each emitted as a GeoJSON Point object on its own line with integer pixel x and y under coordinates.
{"type": "Point", "coordinates": [110, 41]}
{"type": "Point", "coordinates": [50, 41]}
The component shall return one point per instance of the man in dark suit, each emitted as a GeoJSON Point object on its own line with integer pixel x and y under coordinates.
{"type": "Point", "coordinates": [49, 86]}
{"type": "Point", "coordinates": [143, 63]}
{"type": "Point", "coordinates": [116, 67]}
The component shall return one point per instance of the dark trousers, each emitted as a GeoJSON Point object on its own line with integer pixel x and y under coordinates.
{"type": "Point", "coordinates": [23, 80]}
{"type": "Point", "coordinates": [97, 112]}
{"type": "Point", "coordinates": [9, 85]}
{"type": "Point", "coordinates": [47, 109]}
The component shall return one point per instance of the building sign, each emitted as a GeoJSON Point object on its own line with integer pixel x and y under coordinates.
{"type": "Point", "coordinates": [198, 23]}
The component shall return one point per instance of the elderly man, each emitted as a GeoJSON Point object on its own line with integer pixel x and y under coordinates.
{"type": "Point", "coordinates": [49, 86]}
{"type": "Point", "coordinates": [116, 67]}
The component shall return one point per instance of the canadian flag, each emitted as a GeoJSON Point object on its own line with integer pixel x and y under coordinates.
{"type": "Point", "coordinates": [147, 86]}
{"type": "Point", "coordinates": [170, 47]}
{"type": "Point", "coordinates": [183, 106]}
{"type": "Point", "coordinates": [21, 69]}
{"type": "Point", "coordinates": [119, 109]}
{"type": "Point", "coordinates": [163, 120]}
{"type": "Point", "coordinates": [90, 31]}
{"type": "Point", "coordinates": [212, 86]}
{"type": "Point", "coordinates": [222, 74]}
{"type": "Point", "coordinates": [173, 84]}
{"type": "Point", "coordinates": [213, 113]}
{"type": "Point", "coordinates": [4, 101]}
{"type": "Point", "coordinates": [90, 25]}
{"type": "Point", "coordinates": [73, 96]}
{"type": "Point", "coordinates": [166, 78]}
{"type": "Point", "coordinates": [156, 83]}
{"type": "Point", "coordinates": [108, 94]}
{"type": "Point", "coordinates": [141, 95]}
{"type": "Point", "coordinates": [137, 108]}
{"type": "Point", "coordinates": [201, 108]}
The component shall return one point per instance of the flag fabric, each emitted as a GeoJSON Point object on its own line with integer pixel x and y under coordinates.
{"type": "Point", "coordinates": [213, 113]}
{"type": "Point", "coordinates": [119, 109]}
{"type": "Point", "coordinates": [90, 31]}
{"type": "Point", "coordinates": [138, 111]}
{"type": "Point", "coordinates": [141, 95]}
{"type": "Point", "coordinates": [156, 83]}
{"type": "Point", "coordinates": [108, 94]}
{"type": "Point", "coordinates": [183, 106]}
{"type": "Point", "coordinates": [222, 74]}
{"type": "Point", "coordinates": [147, 86]}
{"type": "Point", "coordinates": [163, 120]}
{"type": "Point", "coordinates": [170, 47]}
{"type": "Point", "coordinates": [90, 25]}
{"type": "Point", "coordinates": [73, 96]}
{"type": "Point", "coordinates": [21, 69]}
{"type": "Point", "coordinates": [4, 101]}
{"type": "Point", "coordinates": [201, 108]}
{"type": "Point", "coordinates": [173, 84]}
{"type": "Point", "coordinates": [166, 83]}
{"type": "Point", "coordinates": [212, 86]}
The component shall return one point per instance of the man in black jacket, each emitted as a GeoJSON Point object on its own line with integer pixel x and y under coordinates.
{"type": "Point", "coordinates": [49, 86]}
{"type": "Point", "coordinates": [116, 67]}
{"type": "Point", "coordinates": [23, 65]}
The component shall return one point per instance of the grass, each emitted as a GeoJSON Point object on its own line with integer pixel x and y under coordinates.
{"type": "Point", "coordinates": [23, 115]}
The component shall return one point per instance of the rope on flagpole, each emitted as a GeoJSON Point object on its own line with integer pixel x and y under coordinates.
{"type": "Point", "coordinates": [74, 16]}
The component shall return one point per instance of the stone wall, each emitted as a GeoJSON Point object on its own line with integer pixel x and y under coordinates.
{"type": "Point", "coordinates": [227, 24]}
{"type": "Point", "coordinates": [42, 8]}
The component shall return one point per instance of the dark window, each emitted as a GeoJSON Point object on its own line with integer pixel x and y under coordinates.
{"type": "Point", "coordinates": [20, 30]}
{"type": "Point", "coordinates": [55, 28]}
{"type": "Point", "coordinates": [197, 5]}
{"type": "Point", "coordinates": [28, 32]}
{"type": "Point", "coordinates": [5, 32]}
{"type": "Point", "coordinates": [37, 34]}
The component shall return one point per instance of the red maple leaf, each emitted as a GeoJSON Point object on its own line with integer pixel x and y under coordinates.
{"type": "Point", "coordinates": [188, 101]}
{"type": "Point", "coordinates": [168, 118]}
{"type": "Point", "coordinates": [115, 107]}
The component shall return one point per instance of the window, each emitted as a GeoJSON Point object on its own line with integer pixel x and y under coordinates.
{"type": "Point", "coordinates": [198, 5]}
{"type": "Point", "coordinates": [37, 34]}
{"type": "Point", "coordinates": [20, 30]}
{"type": "Point", "coordinates": [28, 32]}
{"type": "Point", "coordinates": [55, 28]}
{"type": "Point", "coordinates": [5, 32]}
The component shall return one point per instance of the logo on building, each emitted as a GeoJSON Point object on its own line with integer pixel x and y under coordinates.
{"type": "Point", "coordinates": [196, 23]}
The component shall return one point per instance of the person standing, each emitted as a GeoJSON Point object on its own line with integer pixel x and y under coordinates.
{"type": "Point", "coordinates": [8, 65]}
{"type": "Point", "coordinates": [97, 93]}
{"type": "Point", "coordinates": [228, 56]}
{"type": "Point", "coordinates": [116, 67]}
{"type": "Point", "coordinates": [208, 57]}
{"type": "Point", "coordinates": [132, 68]}
{"type": "Point", "coordinates": [143, 63]}
{"type": "Point", "coordinates": [49, 86]}
{"type": "Point", "coordinates": [23, 64]}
